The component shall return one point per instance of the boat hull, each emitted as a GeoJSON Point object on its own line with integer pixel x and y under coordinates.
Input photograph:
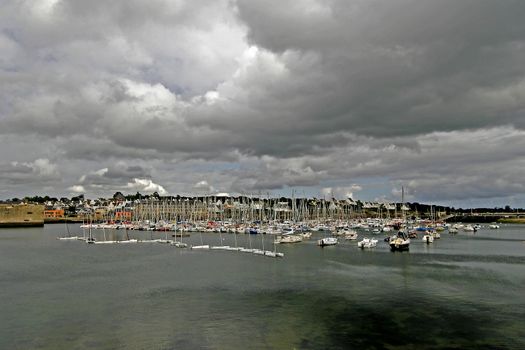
{"type": "Point", "coordinates": [399, 247]}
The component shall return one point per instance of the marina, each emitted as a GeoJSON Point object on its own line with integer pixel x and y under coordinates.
{"type": "Point", "coordinates": [250, 175]}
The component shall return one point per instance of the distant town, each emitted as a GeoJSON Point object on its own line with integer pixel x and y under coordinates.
{"type": "Point", "coordinates": [38, 210]}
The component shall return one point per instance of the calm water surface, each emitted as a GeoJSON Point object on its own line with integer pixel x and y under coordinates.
{"type": "Point", "coordinates": [463, 291]}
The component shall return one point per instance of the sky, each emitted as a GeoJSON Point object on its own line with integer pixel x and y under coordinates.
{"type": "Point", "coordinates": [325, 98]}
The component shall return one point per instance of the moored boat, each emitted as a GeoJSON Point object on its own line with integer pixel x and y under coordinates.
{"type": "Point", "coordinates": [399, 242]}
{"type": "Point", "coordinates": [288, 239]}
{"type": "Point", "coordinates": [367, 243]}
{"type": "Point", "coordinates": [205, 247]}
{"type": "Point", "coordinates": [428, 238]}
{"type": "Point", "coordinates": [350, 235]}
{"type": "Point", "coordinates": [327, 241]}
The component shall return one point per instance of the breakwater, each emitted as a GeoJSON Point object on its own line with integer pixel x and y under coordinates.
{"type": "Point", "coordinates": [488, 218]}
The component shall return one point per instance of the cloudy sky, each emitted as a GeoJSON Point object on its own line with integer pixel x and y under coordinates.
{"type": "Point", "coordinates": [327, 97]}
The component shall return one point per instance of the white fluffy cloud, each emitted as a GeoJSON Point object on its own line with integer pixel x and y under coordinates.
{"type": "Point", "coordinates": [77, 189]}
{"type": "Point", "coordinates": [343, 192]}
{"type": "Point", "coordinates": [146, 185]}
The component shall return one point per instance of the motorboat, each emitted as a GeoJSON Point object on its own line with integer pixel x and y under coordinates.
{"type": "Point", "coordinates": [350, 235]}
{"type": "Point", "coordinates": [401, 241]}
{"type": "Point", "coordinates": [327, 241]}
{"type": "Point", "coordinates": [428, 238]}
{"type": "Point", "coordinates": [469, 228]}
{"type": "Point", "coordinates": [306, 235]}
{"type": "Point", "coordinates": [288, 239]}
{"type": "Point", "coordinates": [367, 243]}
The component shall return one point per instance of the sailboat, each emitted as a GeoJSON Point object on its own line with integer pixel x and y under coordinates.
{"type": "Point", "coordinates": [178, 244]}
{"type": "Point", "coordinates": [90, 239]}
{"type": "Point", "coordinates": [202, 246]}
{"type": "Point", "coordinates": [166, 240]}
{"type": "Point", "coordinates": [128, 240]}
{"type": "Point", "coordinates": [274, 253]}
{"type": "Point", "coordinates": [68, 236]}
{"type": "Point", "coordinates": [260, 251]}
{"type": "Point", "coordinates": [220, 247]}
{"type": "Point", "coordinates": [401, 241]}
{"type": "Point", "coordinates": [236, 248]}
{"type": "Point", "coordinates": [248, 250]}
{"type": "Point", "coordinates": [105, 241]}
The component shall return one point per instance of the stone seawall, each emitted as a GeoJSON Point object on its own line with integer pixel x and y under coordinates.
{"type": "Point", "coordinates": [21, 215]}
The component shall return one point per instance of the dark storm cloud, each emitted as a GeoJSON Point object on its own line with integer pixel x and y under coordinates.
{"type": "Point", "coordinates": [40, 171]}
{"type": "Point", "coordinates": [397, 67]}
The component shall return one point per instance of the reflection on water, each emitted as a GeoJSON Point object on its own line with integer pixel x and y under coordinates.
{"type": "Point", "coordinates": [463, 291]}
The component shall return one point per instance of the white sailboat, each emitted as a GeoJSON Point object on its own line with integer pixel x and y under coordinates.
{"type": "Point", "coordinates": [220, 247]}
{"type": "Point", "coordinates": [105, 241]}
{"type": "Point", "coordinates": [128, 240]}
{"type": "Point", "coordinates": [400, 241]}
{"type": "Point", "coordinates": [202, 246]}
{"type": "Point", "coordinates": [250, 249]}
{"type": "Point", "coordinates": [90, 239]}
{"type": "Point", "coordinates": [68, 236]}
{"type": "Point", "coordinates": [178, 244]}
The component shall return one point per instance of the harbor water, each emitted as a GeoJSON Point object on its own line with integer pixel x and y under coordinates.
{"type": "Point", "coordinates": [464, 291]}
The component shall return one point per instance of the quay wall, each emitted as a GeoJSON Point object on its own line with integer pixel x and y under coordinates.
{"type": "Point", "coordinates": [21, 215]}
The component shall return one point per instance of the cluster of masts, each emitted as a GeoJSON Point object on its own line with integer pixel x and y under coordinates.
{"type": "Point", "coordinates": [248, 209]}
